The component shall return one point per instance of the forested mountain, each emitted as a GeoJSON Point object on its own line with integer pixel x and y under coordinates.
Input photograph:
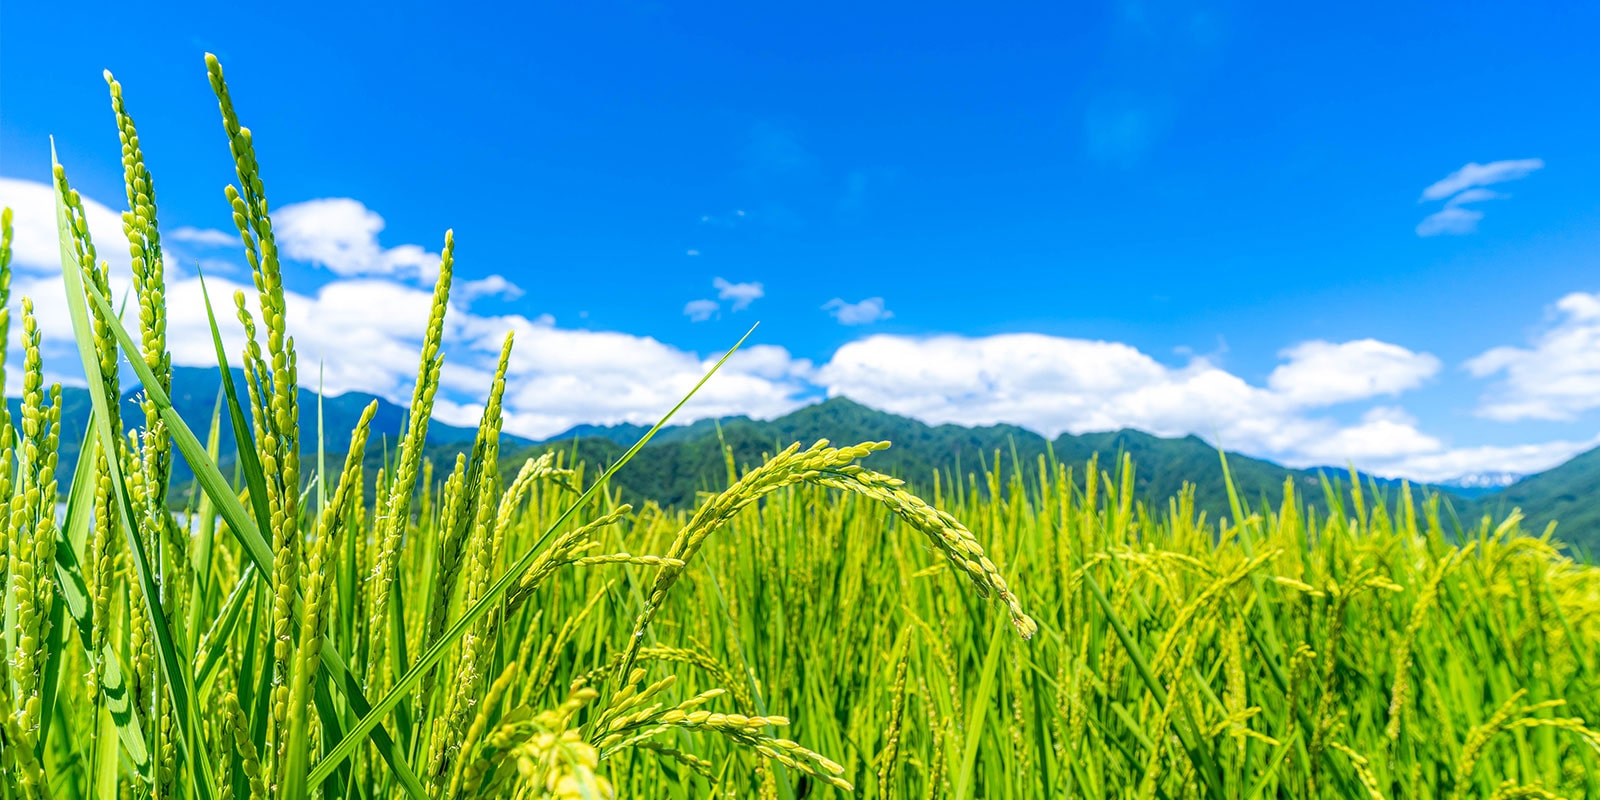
{"type": "Point", "coordinates": [684, 460]}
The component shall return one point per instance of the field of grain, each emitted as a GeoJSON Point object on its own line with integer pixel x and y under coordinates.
{"type": "Point", "coordinates": [484, 629]}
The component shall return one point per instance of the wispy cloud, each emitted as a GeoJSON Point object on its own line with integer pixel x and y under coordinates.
{"type": "Point", "coordinates": [701, 310]}
{"type": "Point", "coordinates": [1473, 196]}
{"type": "Point", "coordinates": [205, 237]}
{"type": "Point", "coordinates": [1450, 220]}
{"type": "Point", "coordinates": [492, 286]}
{"type": "Point", "coordinates": [725, 220]}
{"type": "Point", "coordinates": [1475, 174]}
{"type": "Point", "coordinates": [740, 295]}
{"type": "Point", "coordinates": [1465, 186]}
{"type": "Point", "coordinates": [865, 312]}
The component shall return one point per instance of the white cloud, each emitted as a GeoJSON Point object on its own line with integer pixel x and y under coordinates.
{"type": "Point", "coordinates": [560, 377]}
{"type": "Point", "coordinates": [492, 286]}
{"type": "Point", "coordinates": [701, 310]}
{"type": "Point", "coordinates": [1475, 174]}
{"type": "Point", "coordinates": [1474, 196]}
{"type": "Point", "coordinates": [1383, 435]}
{"type": "Point", "coordinates": [1464, 186]}
{"type": "Point", "coordinates": [863, 313]}
{"type": "Point", "coordinates": [205, 237]}
{"type": "Point", "coordinates": [1323, 373]}
{"type": "Point", "coordinates": [36, 247]}
{"type": "Point", "coordinates": [342, 234]}
{"type": "Point", "coordinates": [1524, 459]}
{"type": "Point", "coordinates": [220, 266]}
{"type": "Point", "coordinates": [1557, 377]}
{"type": "Point", "coordinates": [366, 331]}
{"type": "Point", "coordinates": [740, 294]}
{"type": "Point", "coordinates": [1451, 220]}
{"type": "Point", "coordinates": [692, 253]}
{"type": "Point", "coordinates": [1046, 383]}
{"type": "Point", "coordinates": [1057, 385]}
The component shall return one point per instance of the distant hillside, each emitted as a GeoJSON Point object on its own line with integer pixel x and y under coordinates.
{"type": "Point", "coordinates": [683, 461]}
{"type": "Point", "coordinates": [194, 395]}
{"type": "Point", "coordinates": [1566, 494]}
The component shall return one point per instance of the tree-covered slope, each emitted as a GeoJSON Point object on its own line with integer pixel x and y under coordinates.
{"type": "Point", "coordinates": [1565, 495]}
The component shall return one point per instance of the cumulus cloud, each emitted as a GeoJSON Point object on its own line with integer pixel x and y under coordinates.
{"type": "Point", "coordinates": [1324, 373]}
{"type": "Point", "coordinates": [365, 332]}
{"type": "Point", "coordinates": [492, 286]}
{"type": "Point", "coordinates": [35, 246]}
{"type": "Point", "coordinates": [1465, 186]}
{"type": "Point", "coordinates": [740, 295]}
{"type": "Point", "coordinates": [341, 234]}
{"type": "Point", "coordinates": [1058, 385]}
{"type": "Point", "coordinates": [1383, 435]}
{"type": "Point", "coordinates": [1051, 384]}
{"type": "Point", "coordinates": [560, 377]}
{"type": "Point", "coordinates": [1557, 377]}
{"type": "Point", "coordinates": [1523, 459]}
{"type": "Point", "coordinates": [700, 310]}
{"type": "Point", "coordinates": [865, 312]}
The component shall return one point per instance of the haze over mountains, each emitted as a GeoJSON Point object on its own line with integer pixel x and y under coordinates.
{"type": "Point", "coordinates": [684, 460]}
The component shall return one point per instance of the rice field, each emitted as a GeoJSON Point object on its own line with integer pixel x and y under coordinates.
{"type": "Point", "coordinates": [510, 630]}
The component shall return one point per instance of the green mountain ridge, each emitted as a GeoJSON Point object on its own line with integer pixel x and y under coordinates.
{"type": "Point", "coordinates": [194, 395]}
{"type": "Point", "coordinates": [1564, 495]}
{"type": "Point", "coordinates": [685, 463]}
{"type": "Point", "coordinates": [685, 460]}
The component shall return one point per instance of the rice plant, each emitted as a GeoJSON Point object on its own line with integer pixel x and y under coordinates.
{"type": "Point", "coordinates": [485, 628]}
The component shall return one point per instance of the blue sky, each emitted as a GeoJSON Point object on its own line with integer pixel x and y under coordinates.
{"type": "Point", "coordinates": [1183, 217]}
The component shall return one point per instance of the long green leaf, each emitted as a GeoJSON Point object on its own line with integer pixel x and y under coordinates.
{"type": "Point", "coordinates": [222, 630]}
{"type": "Point", "coordinates": [979, 713]}
{"type": "Point", "coordinates": [206, 511]}
{"type": "Point", "coordinates": [245, 446]}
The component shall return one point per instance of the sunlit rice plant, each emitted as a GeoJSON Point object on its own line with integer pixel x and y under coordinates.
{"type": "Point", "coordinates": [508, 628]}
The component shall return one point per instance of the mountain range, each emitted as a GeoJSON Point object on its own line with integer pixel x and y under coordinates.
{"type": "Point", "coordinates": [682, 461]}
